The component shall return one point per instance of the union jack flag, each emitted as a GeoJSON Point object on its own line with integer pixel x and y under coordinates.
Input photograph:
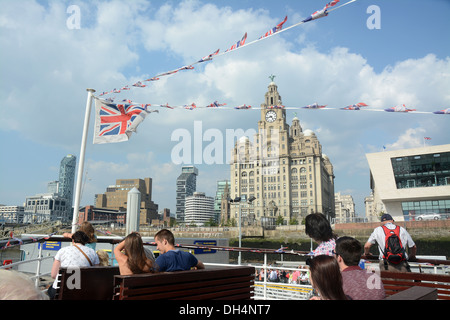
{"type": "Point", "coordinates": [116, 122]}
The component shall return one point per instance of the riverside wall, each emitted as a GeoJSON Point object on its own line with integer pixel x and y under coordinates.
{"type": "Point", "coordinates": [439, 229]}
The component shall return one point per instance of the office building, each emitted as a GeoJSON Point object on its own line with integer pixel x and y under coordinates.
{"type": "Point", "coordinates": [412, 183]}
{"type": "Point", "coordinates": [186, 186]}
{"type": "Point", "coordinates": [284, 168]}
{"type": "Point", "coordinates": [11, 214]}
{"type": "Point", "coordinates": [344, 208]}
{"type": "Point", "coordinates": [46, 207]}
{"type": "Point", "coordinates": [199, 209]}
{"type": "Point", "coordinates": [221, 186]}
{"type": "Point", "coordinates": [67, 181]}
{"type": "Point", "coordinates": [116, 197]}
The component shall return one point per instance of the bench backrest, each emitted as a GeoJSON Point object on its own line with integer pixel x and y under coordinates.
{"type": "Point", "coordinates": [395, 282]}
{"type": "Point", "coordinates": [87, 283]}
{"type": "Point", "coordinates": [232, 283]}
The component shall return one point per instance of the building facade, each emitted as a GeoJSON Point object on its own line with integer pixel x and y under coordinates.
{"type": "Point", "coordinates": [199, 209]}
{"type": "Point", "coordinates": [186, 186]}
{"type": "Point", "coordinates": [67, 181]}
{"type": "Point", "coordinates": [412, 183]}
{"type": "Point", "coordinates": [283, 168]}
{"type": "Point", "coordinates": [45, 207]}
{"type": "Point", "coordinates": [116, 197]}
{"type": "Point", "coordinates": [221, 186]}
{"type": "Point", "coordinates": [102, 216]}
{"type": "Point", "coordinates": [344, 208]}
{"type": "Point", "coordinates": [11, 214]}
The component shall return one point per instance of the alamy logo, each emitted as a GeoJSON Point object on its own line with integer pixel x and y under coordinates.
{"type": "Point", "coordinates": [74, 21]}
{"type": "Point", "coordinates": [74, 280]}
{"type": "Point", "coordinates": [374, 280]}
{"type": "Point", "coordinates": [219, 149]}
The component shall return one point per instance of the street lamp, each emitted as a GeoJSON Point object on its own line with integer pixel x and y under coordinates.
{"type": "Point", "coordinates": [238, 199]}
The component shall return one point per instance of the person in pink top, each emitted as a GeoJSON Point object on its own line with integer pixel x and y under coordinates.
{"type": "Point", "coordinates": [319, 229]}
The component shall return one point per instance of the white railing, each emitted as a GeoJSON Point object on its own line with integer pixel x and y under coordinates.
{"type": "Point", "coordinates": [263, 290]}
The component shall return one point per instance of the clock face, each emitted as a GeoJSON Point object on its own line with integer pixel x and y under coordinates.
{"type": "Point", "coordinates": [271, 116]}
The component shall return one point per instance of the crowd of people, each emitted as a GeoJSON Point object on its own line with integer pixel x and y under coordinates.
{"type": "Point", "coordinates": [299, 276]}
{"type": "Point", "coordinates": [332, 269]}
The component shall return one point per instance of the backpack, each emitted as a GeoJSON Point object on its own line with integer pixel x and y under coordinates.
{"type": "Point", "coordinates": [393, 249]}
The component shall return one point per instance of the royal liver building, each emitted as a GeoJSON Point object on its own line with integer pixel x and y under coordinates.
{"type": "Point", "coordinates": [283, 168]}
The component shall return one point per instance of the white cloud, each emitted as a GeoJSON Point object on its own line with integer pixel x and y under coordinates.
{"type": "Point", "coordinates": [47, 67]}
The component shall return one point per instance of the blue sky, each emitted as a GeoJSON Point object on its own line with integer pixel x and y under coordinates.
{"type": "Point", "coordinates": [337, 60]}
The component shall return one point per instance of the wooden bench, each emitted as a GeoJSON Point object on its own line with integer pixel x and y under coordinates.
{"type": "Point", "coordinates": [91, 283]}
{"type": "Point", "coordinates": [233, 283]}
{"type": "Point", "coordinates": [395, 282]}
{"type": "Point", "coordinates": [415, 293]}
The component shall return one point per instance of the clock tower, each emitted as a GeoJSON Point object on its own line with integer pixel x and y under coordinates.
{"type": "Point", "coordinates": [273, 130]}
{"type": "Point", "coordinates": [282, 170]}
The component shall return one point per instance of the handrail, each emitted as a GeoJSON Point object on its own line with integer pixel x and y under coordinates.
{"type": "Point", "coordinates": [266, 283]}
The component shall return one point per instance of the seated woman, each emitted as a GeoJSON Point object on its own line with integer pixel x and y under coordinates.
{"type": "Point", "coordinates": [76, 255]}
{"type": "Point", "coordinates": [131, 257]}
{"type": "Point", "coordinates": [326, 278]}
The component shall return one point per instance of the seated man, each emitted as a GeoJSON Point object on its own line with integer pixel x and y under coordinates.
{"type": "Point", "coordinates": [171, 259]}
{"type": "Point", "coordinates": [358, 284]}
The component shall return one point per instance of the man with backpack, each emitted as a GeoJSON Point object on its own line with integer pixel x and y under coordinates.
{"type": "Point", "coordinates": [392, 242]}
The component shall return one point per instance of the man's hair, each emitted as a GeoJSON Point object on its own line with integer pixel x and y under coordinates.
{"type": "Point", "coordinates": [349, 249]}
{"type": "Point", "coordinates": [165, 234]}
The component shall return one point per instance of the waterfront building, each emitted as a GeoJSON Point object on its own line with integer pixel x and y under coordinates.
{"type": "Point", "coordinates": [412, 183]}
{"type": "Point", "coordinates": [116, 197]}
{"type": "Point", "coordinates": [283, 168]}
{"type": "Point", "coordinates": [102, 216]}
{"type": "Point", "coordinates": [46, 207]}
{"type": "Point", "coordinates": [186, 186]}
{"type": "Point", "coordinates": [344, 208]}
{"type": "Point", "coordinates": [67, 181]}
{"type": "Point", "coordinates": [11, 214]}
{"type": "Point", "coordinates": [221, 186]}
{"type": "Point", "coordinates": [199, 209]}
{"type": "Point", "coordinates": [53, 187]}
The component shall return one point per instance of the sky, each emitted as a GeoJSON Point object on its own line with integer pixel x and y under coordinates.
{"type": "Point", "coordinates": [384, 53]}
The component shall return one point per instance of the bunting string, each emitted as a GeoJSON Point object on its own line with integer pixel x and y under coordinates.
{"type": "Point", "coordinates": [115, 122]}
{"type": "Point", "coordinates": [238, 45]}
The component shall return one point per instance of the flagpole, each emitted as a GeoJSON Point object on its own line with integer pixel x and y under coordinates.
{"type": "Point", "coordinates": [76, 204]}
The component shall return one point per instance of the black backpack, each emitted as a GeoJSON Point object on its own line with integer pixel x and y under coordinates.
{"type": "Point", "coordinates": [393, 249]}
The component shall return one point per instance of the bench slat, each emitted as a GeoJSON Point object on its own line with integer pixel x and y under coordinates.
{"type": "Point", "coordinates": [214, 283]}
{"type": "Point", "coordinates": [187, 286]}
{"type": "Point", "coordinates": [395, 282]}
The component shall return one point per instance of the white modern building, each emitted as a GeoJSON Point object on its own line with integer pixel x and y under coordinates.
{"type": "Point", "coordinates": [45, 207]}
{"type": "Point", "coordinates": [11, 214]}
{"type": "Point", "coordinates": [199, 209]}
{"type": "Point", "coordinates": [412, 183]}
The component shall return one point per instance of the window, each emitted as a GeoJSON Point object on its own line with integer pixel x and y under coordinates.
{"type": "Point", "coordinates": [419, 171]}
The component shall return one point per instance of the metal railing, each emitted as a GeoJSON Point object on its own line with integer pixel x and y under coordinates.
{"type": "Point", "coordinates": [263, 290]}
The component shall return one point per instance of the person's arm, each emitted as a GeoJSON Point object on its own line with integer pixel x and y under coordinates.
{"type": "Point", "coordinates": [367, 247]}
{"type": "Point", "coordinates": [412, 253]}
{"type": "Point", "coordinates": [200, 265]}
{"type": "Point", "coordinates": [55, 268]}
{"type": "Point", "coordinates": [120, 257]}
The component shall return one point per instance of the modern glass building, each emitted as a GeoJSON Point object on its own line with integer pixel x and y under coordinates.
{"type": "Point", "coordinates": [221, 185]}
{"type": "Point", "coordinates": [186, 186]}
{"type": "Point", "coordinates": [67, 181]}
{"type": "Point", "coordinates": [413, 184]}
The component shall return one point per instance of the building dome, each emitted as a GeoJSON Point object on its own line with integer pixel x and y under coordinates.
{"type": "Point", "coordinates": [308, 132]}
